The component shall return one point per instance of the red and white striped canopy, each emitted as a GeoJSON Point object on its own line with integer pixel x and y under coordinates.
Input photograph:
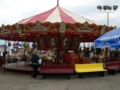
{"type": "Point", "coordinates": [56, 14]}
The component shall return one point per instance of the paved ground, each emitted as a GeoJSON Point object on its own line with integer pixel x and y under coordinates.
{"type": "Point", "coordinates": [15, 81]}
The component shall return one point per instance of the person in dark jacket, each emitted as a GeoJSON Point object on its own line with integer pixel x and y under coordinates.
{"type": "Point", "coordinates": [4, 53]}
{"type": "Point", "coordinates": [35, 64]}
{"type": "Point", "coordinates": [1, 60]}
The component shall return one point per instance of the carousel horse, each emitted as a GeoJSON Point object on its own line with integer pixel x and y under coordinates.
{"type": "Point", "coordinates": [49, 56]}
{"type": "Point", "coordinates": [26, 57]}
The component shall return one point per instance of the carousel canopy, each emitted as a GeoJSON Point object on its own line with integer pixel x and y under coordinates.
{"type": "Point", "coordinates": [56, 14]}
{"type": "Point", "coordinates": [57, 22]}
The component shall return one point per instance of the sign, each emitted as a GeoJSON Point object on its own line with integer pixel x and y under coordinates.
{"type": "Point", "coordinates": [84, 29]}
{"type": "Point", "coordinates": [38, 28]}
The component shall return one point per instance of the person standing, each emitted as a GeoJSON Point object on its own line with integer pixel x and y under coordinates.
{"type": "Point", "coordinates": [1, 60]}
{"type": "Point", "coordinates": [4, 53]}
{"type": "Point", "coordinates": [35, 64]}
{"type": "Point", "coordinates": [34, 45]}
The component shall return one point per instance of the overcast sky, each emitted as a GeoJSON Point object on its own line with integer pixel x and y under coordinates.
{"type": "Point", "coordinates": [12, 11]}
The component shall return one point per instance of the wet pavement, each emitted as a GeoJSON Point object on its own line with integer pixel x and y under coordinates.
{"type": "Point", "coordinates": [18, 81]}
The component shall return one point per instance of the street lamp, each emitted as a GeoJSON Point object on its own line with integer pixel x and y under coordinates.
{"type": "Point", "coordinates": [107, 9]}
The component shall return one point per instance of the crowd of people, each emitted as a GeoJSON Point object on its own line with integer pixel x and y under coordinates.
{"type": "Point", "coordinates": [100, 55]}
{"type": "Point", "coordinates": [93, 55]}
{"type": "Point", "coordinates": [25, 53]}
{"type": "Point", "coordinates": [32, 56]}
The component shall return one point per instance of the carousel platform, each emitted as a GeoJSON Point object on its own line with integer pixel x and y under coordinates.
{"type": "Point", "coordinates": [19, 67]}
{"type": "Point", "coordinates": [22, 67]}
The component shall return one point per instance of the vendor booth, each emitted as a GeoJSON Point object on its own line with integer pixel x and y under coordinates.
{"type": "Point", "coordinates": [110, 40]}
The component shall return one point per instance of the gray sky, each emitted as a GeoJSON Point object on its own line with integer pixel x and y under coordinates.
{"type": "Point", "coordinates": [12, 11]}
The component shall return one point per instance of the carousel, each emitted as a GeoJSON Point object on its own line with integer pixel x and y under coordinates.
{"type": "Point", "coordinates": [58, 33]}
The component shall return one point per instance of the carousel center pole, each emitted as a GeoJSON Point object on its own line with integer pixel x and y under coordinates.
{"type": "Point", "coordinates": [57, 2]}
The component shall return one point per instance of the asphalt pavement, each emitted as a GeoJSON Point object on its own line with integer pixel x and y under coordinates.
{"type": "Point", "coordinates": [20, 81]}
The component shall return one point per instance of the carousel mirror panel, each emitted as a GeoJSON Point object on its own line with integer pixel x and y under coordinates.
{"type": "Point", "coordinates": [66, 43]}
{"type": "Point", "coordinates": [75, 43]}
{"type": "Point", "coordinates": [41, 43]}
{"type": "Point", "coordinates": [52, 42]}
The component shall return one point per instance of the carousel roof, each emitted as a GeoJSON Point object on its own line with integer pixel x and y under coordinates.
{"type": "Point", "coordinates": [55, 22]}
{"type": "Point", "coordinates": [56, 14]}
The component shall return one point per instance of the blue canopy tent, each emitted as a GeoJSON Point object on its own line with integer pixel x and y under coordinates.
{"type": "Point", "coordinates": [115, 46]}
{"type": "Point", "coordinates": [109, 39]}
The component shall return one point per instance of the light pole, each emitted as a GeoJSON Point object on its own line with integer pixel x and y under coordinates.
{"type": "Point", "coordinates": [107, 9]}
